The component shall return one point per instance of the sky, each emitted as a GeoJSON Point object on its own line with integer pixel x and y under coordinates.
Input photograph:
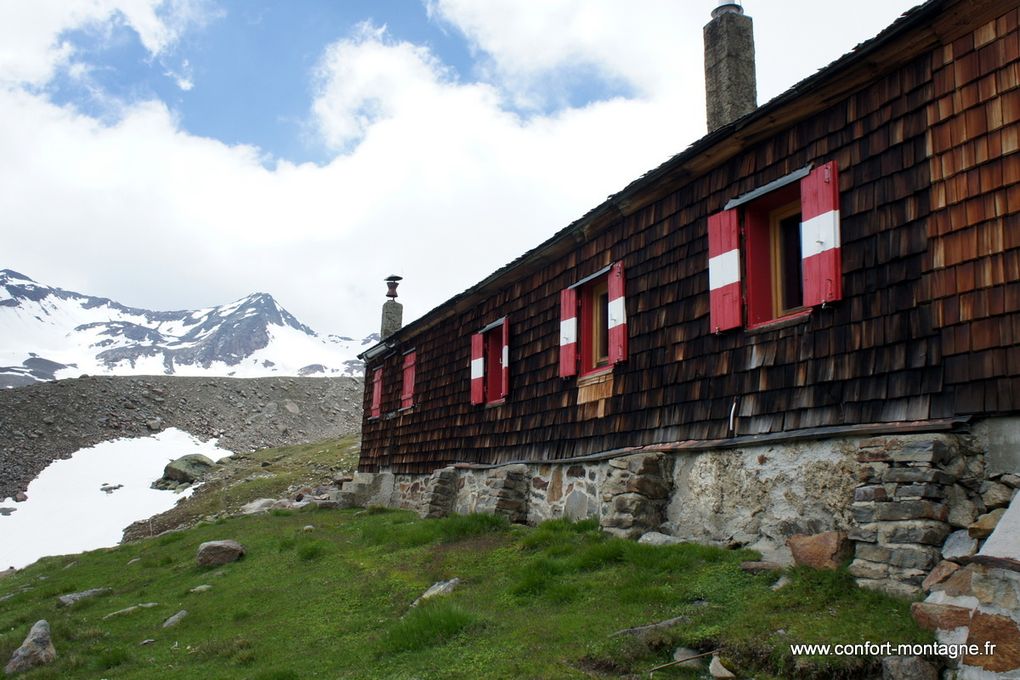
{"type": "Point", "coordinates": [179, 154]}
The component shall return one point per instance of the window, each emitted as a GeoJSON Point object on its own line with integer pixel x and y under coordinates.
{"type": "Point", "coordinates": [593, 323]}
{"type": "Point", "coordinates": [490, 363]}
{"type": "Point", "coordinates": [784, 238]}
{"type": "Point", "coordinates": [377, 377]}
{"type": "Point", "coordinates": [407, 388]}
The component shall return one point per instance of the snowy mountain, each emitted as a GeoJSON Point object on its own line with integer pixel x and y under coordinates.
{"type": "Point", "coordinates": [48, 333]}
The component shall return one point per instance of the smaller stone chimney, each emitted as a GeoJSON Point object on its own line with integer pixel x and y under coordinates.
{"type": "Point", "coordinates": [730, 87]}
{"type": "Point", "coordinates": [392, 311]}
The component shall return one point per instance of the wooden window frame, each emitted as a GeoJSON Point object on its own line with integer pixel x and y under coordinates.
{"type": "Point", "coordinates": [763, 257]}
{"type": "Point", "coordinates": [492, 340]}
{"type": "Point", "coordinates": [593, 320]}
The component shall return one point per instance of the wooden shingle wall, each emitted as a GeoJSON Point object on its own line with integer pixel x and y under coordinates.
{"type": "Point", "coordinates": [974, 247]}
{"type": "Point", "coordinates": [929, 325]}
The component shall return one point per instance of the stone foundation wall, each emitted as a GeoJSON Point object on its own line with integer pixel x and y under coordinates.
{"type": "Point", "coordinates": [898, 498]}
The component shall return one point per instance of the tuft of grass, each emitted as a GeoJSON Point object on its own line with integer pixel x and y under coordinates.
{"type": "Point", "coordinates": [312, 550]}
{"type": "Point", "coordinates": [432, 623]}
{"type": "Point", "coordinates": [111, 658]}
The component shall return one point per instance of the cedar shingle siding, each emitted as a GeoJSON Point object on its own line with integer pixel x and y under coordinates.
{"type": "Point", "coordinates": [929, 323]}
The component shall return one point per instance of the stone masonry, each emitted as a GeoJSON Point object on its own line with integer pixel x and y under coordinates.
{"type": "Point", "coordinates": [915, 490]}
{"type": "Point", "coordinates": [636, 492]}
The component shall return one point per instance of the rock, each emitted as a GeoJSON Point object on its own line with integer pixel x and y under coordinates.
{"type": "Point", "coordinates": [71, 598]}
{"type": "Point", "coordinates": [783, 581]}
{"type": "Point", "coordinates": [175, 619]}
{"type": "Point", "coordinates": [20, 497]}
{"type": "Point", "coordinates": [131, 610]}
{"type": "Point", "coordinates": [717, 669]}
{"type": "Point", "coordinates": [642, 631]}
{"type": "Point", "coordinates": [985, 524]}
{"type": "Point", "coordinates": [958, 584]}
{"type": "Point", "coordinates": [147, 641]}
{"type": "Point", "coordinates": [154, 424]}
{"type": "Point", "coordinates": [908, 668]}
{"type": "Point", "coordinates": [437, 589]}
{"type": "Point", "coordinates": [995, 495]}
{"type": "Point", "coordinates": [1002, 549]}
{"type": "Point", "coordinates": [108, 488]}
{"type": "Point", "coordinates": [827, 550]}
{"type": "Point", "coordinates": [4, 512]}
{"type": "Point", "coordinates": [939, 616]}
{"type": "Point", "coordinates": [257, 505]}
{"type": "Point", "coordinates": [681, 653]}
{"type": "Point", "coordinates": [658, 538]}
{"type": "Point", "coordinates": [959, 544]}
{"type": "Point", "coordinates": [134, 560]}
{"type": "Point", "coordinates": [940, 573]}
{"type": "Point", "coordinates": [1000, 631]}
{"type": "Point", "coordinates": [758, 567]}
{"type": "Point", "coordinates": [36, 650]}
{"type": "Point", "coordinates": [215, 553]}
{"type": "Point", "coordinates": [188, 469]}
{"type": "Point", "coordinates": [201, 589]}
{"type": "Point", "coordinates": [308, 527]}
{"type": "Point", "coordinates": [1012, 481]}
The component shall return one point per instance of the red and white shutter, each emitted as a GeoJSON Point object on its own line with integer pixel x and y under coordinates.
{"type": "Point", "coordinates": [568, 332]}
{"type": "Point", "coordinates": [505, 388]}
{"type": "Point", "coordinates": [477, 368]}
{"type": "Point", "coordinates": [407, 393]}
{"type": "Point", "coordinates": [724, 270]}
{"type": "Point", "coordinates": [377, 393]}
{"type": "Point", "coordinates": [617, 315]}
{"type": "Point", "coordinates": [819, 236]}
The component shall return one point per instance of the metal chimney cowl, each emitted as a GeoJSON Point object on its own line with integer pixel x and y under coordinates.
{"type": "Point", "coordinates": [730, 85]}
{"type": "Point", "coordinates": [392, 311]}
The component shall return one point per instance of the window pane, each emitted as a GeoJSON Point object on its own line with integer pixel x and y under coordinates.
{"type": "Point", "coordinates": [789, 256]}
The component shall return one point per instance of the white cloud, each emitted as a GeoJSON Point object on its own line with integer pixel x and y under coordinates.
{"type": "Point", "coordinates": [434, 178]}
{"type": "Point", "coordinates": [32, 43]}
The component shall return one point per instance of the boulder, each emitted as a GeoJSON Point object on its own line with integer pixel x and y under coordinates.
{"type": "Point", "coordinates": [688, 658]}
{"type": "Point", "coordinates": [958, 545]}
{"type": "Point", "coordinates": [940, 573]}
{"type": "Point", "coordinates": [71, 598]}
{"type": "Point", "coordinates": [437, 589]}
{"type": "Point", "coordinates": [175, 619]}
{"type": "Point", "coordinates": [257, 505]}
{"type": "Point", "coordinates": [717, 669]}
{"type": "Point", "coordinates": [215, 553]}
{"type": "Point", "coordinates": [658, 538]}
{"type": "Point", "coordinates": [1000, 631]}
{"type": "Point", "coordinates": [188, 469]}
{"type": "Point", "coordinates": [827, 550]}
{"type": "Point", "coordinates": [985, 524]}
{"type": "Point", "coordinates": [36, 650]}
{"type": "Point", "coordinates": [908, 668]}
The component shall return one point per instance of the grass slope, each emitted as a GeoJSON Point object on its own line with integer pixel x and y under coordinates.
{"type": "Point", "coordinates": [333, 602]}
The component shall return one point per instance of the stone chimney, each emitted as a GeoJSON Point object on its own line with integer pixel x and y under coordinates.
{"type": "Point", "coordinates": [730, 87]}
{"type": "Point", "coordinates": [392, 311]}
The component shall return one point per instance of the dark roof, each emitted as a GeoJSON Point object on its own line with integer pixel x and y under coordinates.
{"type": "Point", "coordinates": [907, 22]}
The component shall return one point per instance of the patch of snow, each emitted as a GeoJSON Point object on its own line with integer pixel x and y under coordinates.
{"type": "Point", "coordinates": [67, 512]}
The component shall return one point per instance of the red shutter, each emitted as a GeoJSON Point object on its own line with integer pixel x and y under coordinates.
{"type": "Point", "coordinates": [376, 393]}
{"type": "Point", "coordinates": [477, 368]}
{"type": "Point", "coordinates": [724, 270]}
{"type": "Point", "coordinates": [407, 393]}
{"type": "Point", "coordinates": [505, 387]}
{"type": "Point", "coordinates": [617, 315]}
{"type": "Point", "coordinates": [819, 235]}
{"type": "Point", "coordinates": [568, 333]}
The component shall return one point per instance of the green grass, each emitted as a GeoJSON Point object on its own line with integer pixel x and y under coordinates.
{"type": "Point", "coordinates": [243, 479]}
{"type": "Point", "coordinates": [335, 603]}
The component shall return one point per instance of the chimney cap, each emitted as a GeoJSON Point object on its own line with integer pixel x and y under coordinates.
{"type": "Point", "coordinates": [391, 285]}
{"type": "Point", "coordinates": [727, 7]}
